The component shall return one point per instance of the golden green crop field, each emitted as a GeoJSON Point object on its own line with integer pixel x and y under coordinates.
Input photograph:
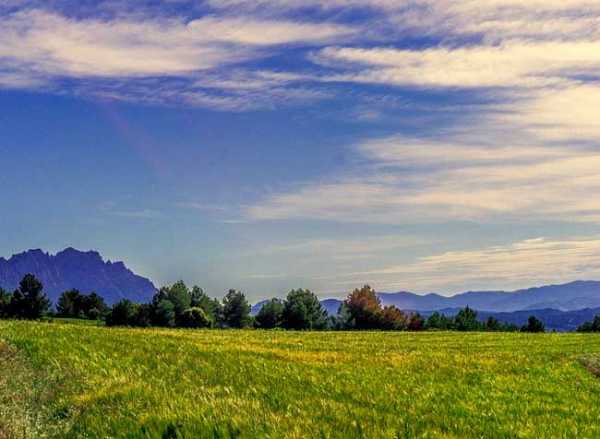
{"type": "Point", "coordinates": [69, 380]}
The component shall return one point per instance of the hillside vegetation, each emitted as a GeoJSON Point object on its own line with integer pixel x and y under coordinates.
{"type": "Point", "coordinates": [90, 381]}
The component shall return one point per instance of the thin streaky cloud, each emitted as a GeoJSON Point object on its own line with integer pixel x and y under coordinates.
{"type": "Point", "coordinates": [516, 265]}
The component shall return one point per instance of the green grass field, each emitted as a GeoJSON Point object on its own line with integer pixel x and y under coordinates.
{"type": "Point", "coordinates": [67, 380]}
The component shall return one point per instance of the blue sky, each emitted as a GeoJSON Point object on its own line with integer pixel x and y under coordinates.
{"type": "Point", "coordinates": [415, 145]}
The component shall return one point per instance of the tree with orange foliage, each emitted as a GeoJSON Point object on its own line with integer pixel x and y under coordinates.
{"type": "Point", "coordinates": [393, 319]}
{"type": "Point", "coordinates": [364, 308]}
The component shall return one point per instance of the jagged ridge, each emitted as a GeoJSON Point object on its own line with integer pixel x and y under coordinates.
{"type": "Point", "coordinates": [71, 268]}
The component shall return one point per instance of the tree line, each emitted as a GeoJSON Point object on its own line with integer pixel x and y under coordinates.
{"type": "Point", "coordinates": [593, 326]}
{"type": "Point", "coordinates": [29, 301]}
{"type": "Point", "coordinates": [178, 306]}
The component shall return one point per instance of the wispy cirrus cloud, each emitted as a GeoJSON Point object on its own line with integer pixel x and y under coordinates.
{"type": "Point", "coordinates": [403, 180]}
{"type": "Point", "coordinates": [59, 46]}
{"type": "Point", "coordinates": [515, 63]}
{"type": "Point", "coordinates": [118, 57]}
{"type": "Point", "coordinates": [522, 156]}
{"type": "Point", "coordinates": [516, 265]}
{"type": "Point", "coordinates": [204, 52]}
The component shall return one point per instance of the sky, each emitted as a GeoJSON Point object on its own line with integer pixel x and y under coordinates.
{"type": "Point", "coordinates": [264, 145]}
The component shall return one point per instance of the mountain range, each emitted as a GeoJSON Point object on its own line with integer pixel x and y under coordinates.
{"type": "Point", "coordinates": [565, 304]}
{"type": "Point", "coordinates": [566, 297]}
{"type": "Point", "coordinates": [70, 268]}
{"type": "Point", "coordinates": [561, 307]}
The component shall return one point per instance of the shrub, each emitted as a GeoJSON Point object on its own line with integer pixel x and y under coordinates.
{"type": "Point", "coordinates": [195, 317]}
{"type": "Point", "coordinates": [212, 307]}
{"type": "Point", "coordinates": [5, 299]}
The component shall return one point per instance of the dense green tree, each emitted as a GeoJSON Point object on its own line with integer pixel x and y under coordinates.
{"type": "Point", "coordinates": [180, 297]}
{"type": "Point", "coordinates": [73, 304]}
{"type": "Point", "coordinates": [29, 301]}
{"type": "Point", "coordinates": [69, 304]}
{"type": "Point", "coordinates": [142, 316]}
{"type": "Point", "coordinates": [170, 302]}
{"type": "Point", "coordinates": [342, 320]}
{"type": "Point", "coordinates": [509, 327]}
{"type": "Point", "coordinates": [163, 306]}
{"type": "Point", "coordinates": [270, 315]}
{"type": "Point", "coordinates": [466, 320]}
{"type": "Point", "coordinates": [5, 298]}
{"type": "Point", "coordinates": [216, 310]}
{"type": "Point", "coordinates": [236, 310]}
{"type": "Point", "coordinates": [163, 314]}
{"type": "Point", "coordinates": [438, 321]}
{"type": "Point", "coordinates": [198, 298]}
{"type": "Point", "coordinates": [533, 325]}
{"type": "Point", "coordinates": [492, 324]}
{"type": "Point", "coordinates": [159, 296]}
{"type": "Point", "coordinates": [122, 314]}
{"type": "Point", "coordinates": [195, 317]}
{"type": "Point", "coordinates": [365, 308]}
{"type": "Point", "coordinates": [94, 306]}
{"type": "Point", "coordinates": [212, 307]}
{"type": "Point", "coordinates": [302, 310]}
{"type": "Point", "coordinates": [593, 326]}
{"type": "Point", "coordinates": [596, 324]}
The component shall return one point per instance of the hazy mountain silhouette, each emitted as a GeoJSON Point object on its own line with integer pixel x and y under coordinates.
{"type": "Point", "coordinates": [572, 296]}
{"type": "Point", "coordinates": [566, 297]}
{"type": "Point", "coordinates": [71, 268]}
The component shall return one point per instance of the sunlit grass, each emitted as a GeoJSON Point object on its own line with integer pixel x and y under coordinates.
{"type": "Point", "coordinates": [115, 382]}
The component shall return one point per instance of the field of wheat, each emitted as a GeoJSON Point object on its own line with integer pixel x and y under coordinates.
{"type": "Point", "coordinates": [69, 380]}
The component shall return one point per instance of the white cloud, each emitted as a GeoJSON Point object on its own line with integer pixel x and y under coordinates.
{"type": "Point", "coordinates": [530, 154]}
{"type": "Point", "coordinates": [248, 31]}
{"type": "Point", "coordinates": [406, 181]}
{"type": "Point", "coordinates": [516, 63]}
{"type": "Point", "coordinates": [37, 46]}
{"type": "Point", "coordinates": [563, 114]}
{"type": "Point", "coordinates": [248, 80]}
{"type": "Point", "coordinates": [58, 46]}
{"type": "Point", "coordinates": [516, 265]}
{"type": "Point", "coordinates": [495, 19]}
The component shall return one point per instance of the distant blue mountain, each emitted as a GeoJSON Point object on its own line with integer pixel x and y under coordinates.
{"type": "Point", "coordinates": [572, 296]}
{"type": "Point", "coordinates": [257, 307]}
{"type": "Point", "coordinates": [71, 268]}
{"type": "Point", "coordinates": [566, 297]}
{"type": "Point", "coordinates": [331, 305]}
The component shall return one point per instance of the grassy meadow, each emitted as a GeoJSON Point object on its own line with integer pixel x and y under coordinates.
{"type": "Point", "coordinates": [60, 379]}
